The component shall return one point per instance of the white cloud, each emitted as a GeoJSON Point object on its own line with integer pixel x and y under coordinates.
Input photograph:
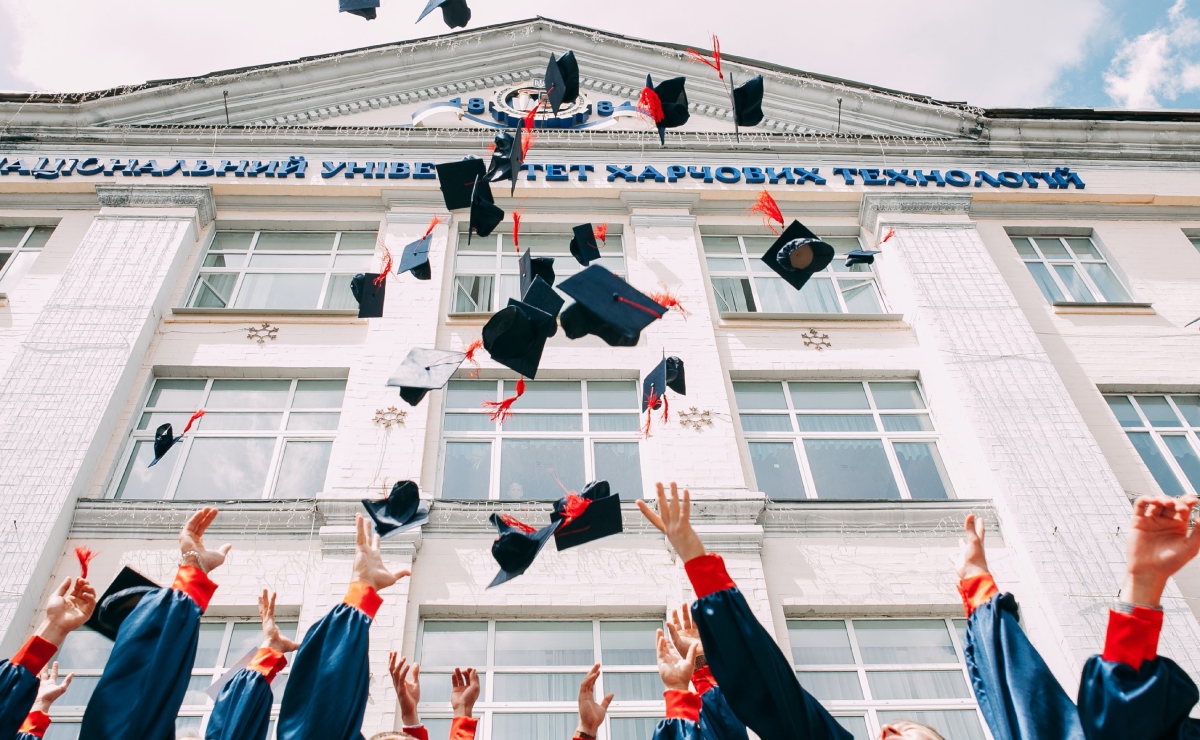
{"type": "Point", "coordinates": [1157, 65]}
{"type": "Point", "coordinates": [988, 53]}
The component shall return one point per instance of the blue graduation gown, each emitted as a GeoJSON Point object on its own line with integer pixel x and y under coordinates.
{"type": "Point", "coordinates": [243, 708]}
{"type": "Point", "coordinates": [757, 680]}
{"type": "Point", "coordinates": [1018, 695]}
{"type": "Point", "coordinates": [717, 720]}
{"type": "Point", "coordinates": [18, 688]}
{"type": "Point", "coordinates": [677, 729]}
{"type": "Point", "coordinates": [143, 684]}
{"type": "Point", "coordinates": [326, 694]}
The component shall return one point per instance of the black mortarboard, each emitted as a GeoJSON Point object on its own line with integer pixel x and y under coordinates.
{"type": "Point", "coordinates": [516, 335]}
{"type": "Point", "coordinates": [508, 157]}
{"type": "Point", "coordinates": [797, 254]}
{"type": "Point", "coordinates": [415, 258]}
{"type": "Point", "coordinates": [165, 439]}
{"type": "Point", "coordinates": [607, 306]}
{"type": "Point", "coordinates": [673, 98]}
{"type": "Point", "coordinates": [587, 522]}
{"type": "Point", "coordinates": [562, 80]}
{"type": "Point", "coordinates": [861, 257]}
{"type": "Point", "coordinates": [401, 510]}
{"type": "Point", "coordinates": [747, 102]}
{"type": "Point", "coordinates": [517, 546]}
{"type": "Point", "coordinates": [544, 298]}
{"type": "Point", "coordinates": [123, 594]}
{"type": "Point", "coordinates": [583, 246]}
{"type": "Point", "coordinates": [535, 267]}
{"type": "Point", "coordinates": [369, 294]}
{"type": "Point", "coordinates": [455, 13]}
{"type": "Point", "coordinates": [424, 370]}
{"type": "Point", "coordinates": [485, 215]}
{"type": "Point", "coordinates": [364, 8]}
{"type": "Point", "coordinates": [668, 374]}
{"type": "Point", "coordinates": [457, 181]}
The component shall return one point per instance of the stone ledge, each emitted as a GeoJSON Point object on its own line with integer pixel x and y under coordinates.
{"type": "Point", "coordinates": [199, 197]}
{"type": "Point", "coordinates": [808, 318]}
{"type": "Point", "coordinates": [876, 518]}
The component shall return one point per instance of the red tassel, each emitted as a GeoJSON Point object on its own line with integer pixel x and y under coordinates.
{"type": "Point", "coordinates": [696, 56]}
{"type": "Point", "coordinates": [517, 230]}
{"type": "Point", "coordinates": [667, 300]}
{"type": "Point", "coordinates": [666, 408]}
{"type": "Point", "coordinates": [651, 402]}
{"type": "Point", "coordinates": [650, 105]}
{"type": "Point", "coordinates": [501, 410]}
{"type": "Point", "coordinates": [191, 421]}
{"type": "Point", "coordinates": [529, 122]}
{"type": "Point", "coordinates": [517, 524]}
{"type": "Point", "coordinates": [85, 555]}
{"type": "Point", "coordinates": [601, 232]}
{"type": "Point", "coordinates": [890, 234]}
{"type": "Point", "coordinates": [432, 225]}
{"type": "Point", "coordinates": [768, 209]}
{"type": "Point", "coordinates": [470, 351]}
{"type": "Point", "coordinates": [385, 266]}
{"type": "Point", "coordinates": [574, 508]}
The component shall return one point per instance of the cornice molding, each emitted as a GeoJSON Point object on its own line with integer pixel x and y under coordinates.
{"type": "Point", "coordinates": [875, 519]}
{"type": "Point", "coordinates": [199, 197]}
{"type": "Point", "coordinates": [876, 206]}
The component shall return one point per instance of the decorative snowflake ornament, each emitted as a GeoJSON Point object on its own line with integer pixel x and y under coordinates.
{"type": "Point", "coordinates": [262, 333]}
{"type": "Point", "coordinates": [695, 418]}
{"type": "Point", "coordinates": [392, 417]}
{"type": "Point", "coordinates": [817, 340]}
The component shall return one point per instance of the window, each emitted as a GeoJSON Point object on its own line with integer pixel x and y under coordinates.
{"type": "Point", "coordinates": [282, 269]}
{"type": "Point", "coordinates": [1070, 269]}
{"type": "Point", "coordinates": [258, 439]}
{"type": "Point", "coordinates": [743, 283]}
{"type": "Point", "coordinates": [530, 674]}
{"type": "Point", "coordinates": [1195, 240]}
{"type": "Point", "coordinates": [19, 247]}
{"type": "Point", "coordinates": [222, 643]}
{"type": "Point", "coordinates": [842, 440]}
{"type": "Point", "coordinates": [571, 432]}
{"type": "Point", "coordinates": [486, 274]}
{"type": "Point", "coordinates": [872, 672]}
{"type": "Point", "coordinates": [1163, 429]}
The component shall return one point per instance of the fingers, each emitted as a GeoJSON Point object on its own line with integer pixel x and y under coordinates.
{"type": "Point", "coordinates": [607, 700]}
{"type": "Point", "coordinates": [654, 518]}
{"type": "Point", "coordinates": [360, 535]}
{"type": "Point", "coordinates": [674, 503]}
{"type": "Point", "coordinates": [691, 656]}
{"type": "Point", "coordinates": [392, 661]}
{"type": "Point", "coordinates": [54, 672]}
{"type": "Point", "coordinates": [416, 671]}
{"type": "Point", "coordinates": [63, 588]}
{"type": "Point", "coordinates": [685, 516]}
{"type": "Point", "coordinates": [224, 549]}
{"type": "Point", "coordinates": [473, 676]}
{"type": "Point", "coordinates": [673, 630]}
{"type": "Point", "coordinates": [980, 528]}
{"type": "Point", "coordinates": [402, 574]}
{"type": "Point", "coordinates": [664, 510]}
{"type": "Point", "coordinates": [587, 688]}
{"type": "Point", "coordinates": [688, 624]}
{"type": "Point", "coordinates": [457, 680]}
{"type": "Point", "coordinates": [66, 681]}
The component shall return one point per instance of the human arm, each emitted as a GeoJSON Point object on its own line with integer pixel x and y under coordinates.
{"type": "Point", "coordinates": [591, 712]}
{"type": "Point", "coordinates": [49, 690]}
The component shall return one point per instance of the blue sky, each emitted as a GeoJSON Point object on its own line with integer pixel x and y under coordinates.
{"type": "Point", "coordinates": [993, 53]}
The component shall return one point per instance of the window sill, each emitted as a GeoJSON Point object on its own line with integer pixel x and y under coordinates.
{"type": "Point", "coordinates": [1072, 307]}
{"type": "Point", "coordinates": [3, 300]}
{"type": "Point", "coordinates": [266, 311]}
{"type": "Point", "coordinates": [238, 315]}
{"type": "Point", "coordinates": [869, 518]}
{"type": "Point", "coordinates": [810, 317]}
{"type": "Point", "coordinates": [468, 319]}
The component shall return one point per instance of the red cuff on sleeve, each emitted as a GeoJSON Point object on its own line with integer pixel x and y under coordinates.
{"type": "Point", "coordinates": [36, 724]}
{"type": "Point", "coordinates": [1132, 638]}
{"type": "Point", "coordinates": [363, 598]}
{"type": "Point", "coordinates": [418, 732]}
{"type": "Point", "coordinates": [463, 728]}
{"type": "Point", "coordinates": [707, 574]}
{"type": "Point", "coordinates": [976, 591]}
{"type": "Point", "coordinates": [35, 654]}
{"type": "Point", "coordinates": [269, 662]}
{"type": "Point", "coordinates": [196, 584]}
{"type": "Point", "coordinates": [703, 680]}
{"type": "Point", "coordinates": [682, 704]}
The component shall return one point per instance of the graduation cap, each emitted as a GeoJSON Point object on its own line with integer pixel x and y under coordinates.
{"type": "Point", "coordinates": [508, 157]}
{"type": "Point", "coordinates": [457, 182]}
{"type": "Point", "coordinates": [535, 267]}
{"type": "Point", "coordinates": [363, 8]}
{"type": "Point", "coordinates": [368, 290]}
{"type": "Point", "coordinates": [517, 546]}
{"type": "Point", "coordinates": [861, 257]}
{"type": "Point", "coordinates": [123, 594]}
{"type": "Point", "coordinates": [668, 374]}
{"type": "Point", "coordinates": [607, 306]}
{"type": "Point", "coordinates": [516, 335]}
{"type": "Point", "coordinates": [666, 103]}
{"type": "Point", "coordinates": [541, 296]}
{"type": "Point", "coordinates": [485, 215]}
{"type": "Point", "coordinates": [455, 13]}
{"type": "Point", "coordinates": [415, 258]}
{"type": "Point", "coordinates": [165, 439]}
{"type": "Point", "coordinates": [797, 254]}
{"type": "Point", "coordinates": [401, 510]}
{"type": "Point", "coordinates": [424, 370]}
{"type": "Point", "coordinates": [583, 246]}
{"type": "Point", "coordinates": [747, 102]}
{"type": "Point", "coordinates": [587, 517]}
{"type": "Point", "coordinates": [562, 80]}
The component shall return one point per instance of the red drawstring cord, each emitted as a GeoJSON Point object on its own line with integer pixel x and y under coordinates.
{"type": "Point", "coordinates": [501, 410]}
{"type": "Point", "coordinates": [432, 224]}
{"type": "Point", "coordinates": [191, 421]}
{"type": "Point", "coordinates": [85, 555]}
{"type": "Point", "coordinates": [890, 234]}
{"type": "Point", "coordinates": [517, 230]}
{"type": "Point", "coordinates": [650, 311]}
{"type": "Point", "coordinates": [601, 233]}
{"type": "Point", "coordinates": [768, 209]}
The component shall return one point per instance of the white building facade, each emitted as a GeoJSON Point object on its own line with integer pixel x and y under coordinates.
{"type": "Point", "coordinates": [1018, 350]}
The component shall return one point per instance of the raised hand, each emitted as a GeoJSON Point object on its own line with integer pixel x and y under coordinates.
{"type": "Point", "coordinates": [408, 692]}
{"type": "Point", "coordinates": [50, 689]}
{"type": "Point", "coordinates": [68, 608]}
{"type": "Point", "coordinates": [674, 520]}
{"type": "Point", "coordinates": [464, 691]}
{"type": "Point", "coordinates": [591, 712]}
{"type": "Point", "coordinates": [685, 634]}
{"type": "Point", "coordinates": [272, 637]}
{"type": "Point", "coordinates": [972, 561]}
{"type": "Point", "coordinates": [191, 542]}
{"type": "Point", "coordinates": [1161, 541]}
{"type": "Point", "coordinates": [675, 670]}
{"type": "Point", "coordinates": [368, 561]}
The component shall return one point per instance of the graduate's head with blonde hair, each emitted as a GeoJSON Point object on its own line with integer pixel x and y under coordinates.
{"type": "Point", "coordinates": [906, 730]}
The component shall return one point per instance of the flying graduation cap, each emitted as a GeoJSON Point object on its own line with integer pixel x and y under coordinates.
{"type": "Point", "coordinates": [797, 254]}
{"type": "Point", "coordinates": [587, 517]}
{"type": "Point", "coordinates": [425, 370]}
{"type": "Point", "coordinates": [607, 306]}
{"type": "Point", "coordinates": [668, 374]}
{"type": "Point", "coordinates": [861, 257]}
{"type": "Point", "coordinates": [666, 104]}
{"type": "Point", "coordinates": [455, 13]}
{"type": "Point", "coordinates": [368, 290]}
{"type": "Point", "coordinates": [535, 267]}
{"type": "Point", "coordinates": [400, 511]}
{"type": "Point", "coordinates": [361, 8]}
{"type": "Point", "coordinates": [562, 80]}
{"type": "Point", "coordinates": [508, 157]}
{"type": "Point", "coordinates": [517, 546]}
{"type": "Point", "coordinates": [464, 185]}
{"type": "Point", "coordinates": [415, 258]}
{"type": "Point", "coordinates": [516, 335]}
{"type": "Point", "coordinates": [747, 101]}
{"type": "Point", "coordinates": [118, 601]}
{"type": "Point", "coordinates": [165, 439]}
{"type": "Point", "coordinates": [583, 246]}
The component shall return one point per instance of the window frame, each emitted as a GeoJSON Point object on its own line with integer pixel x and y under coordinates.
{"type": "Point", "coordinates": [281, 434]}
{"type": "Point", "coordinates": [22, 248]}
{"type": "Point", "coordinates": [796, 436]}
{"type": "Point", "coordinates": [1076, 262]}
{"type": "Point", "coordinates": [494, 437]}
{"type": "Point", "coordinates": [1157, 433]}
{"type": "Point", "coordinates": [328, 272]}
{"type": "Point", "coordinates": [867, 274]}
{"type": "Point", "coordinates": [868, 708]}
